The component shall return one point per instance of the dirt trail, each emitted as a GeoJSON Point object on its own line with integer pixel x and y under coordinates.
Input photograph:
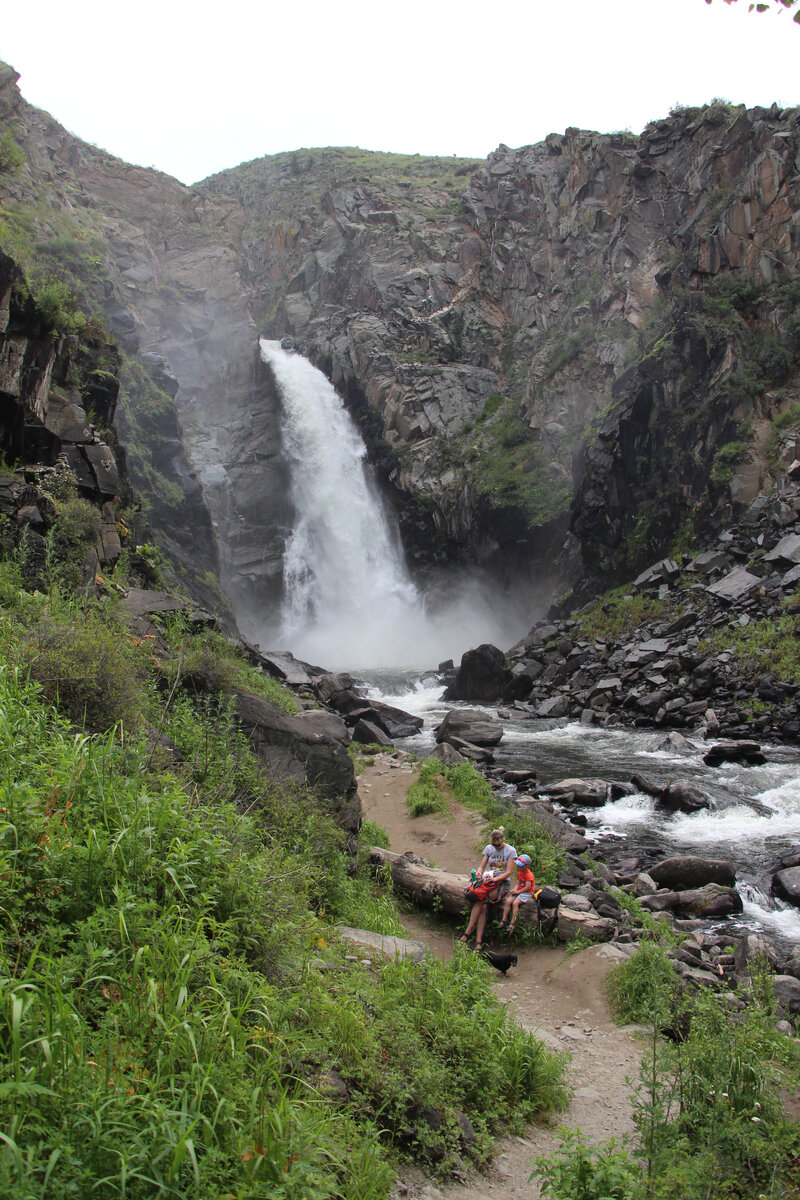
{"type": "Point", "coordinates": [560, 997]}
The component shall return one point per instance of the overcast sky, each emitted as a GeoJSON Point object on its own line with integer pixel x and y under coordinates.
{"type": "Point", "coordinates": [192, 89]}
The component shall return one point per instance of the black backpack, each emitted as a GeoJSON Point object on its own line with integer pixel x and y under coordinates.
{"type": "Point", "coordinates": [549, 898]}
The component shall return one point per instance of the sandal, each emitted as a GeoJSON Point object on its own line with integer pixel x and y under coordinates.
{"type": "Point", "coordinates": [510, 928]}
{"type": "Point", "coordinates": [502, 924]}
{"type": "Point", "coordinates": [478, 947]}
{"type": "Point", "coordinates": [466, 938]}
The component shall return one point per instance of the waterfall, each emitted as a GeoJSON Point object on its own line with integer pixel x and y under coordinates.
{"type": "Point", "coordinates": [345, 582]}
{"type": "Point", "coordinates": [349, 601]}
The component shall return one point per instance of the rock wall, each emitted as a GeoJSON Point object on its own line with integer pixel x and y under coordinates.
{"type": "Point", "coordinates": [535, 347]}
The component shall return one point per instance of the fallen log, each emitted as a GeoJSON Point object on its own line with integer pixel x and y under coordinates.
{"type": "Point", "coordinates": [431, 887]}
{"type": "Point", "coordinates": [428, 885]}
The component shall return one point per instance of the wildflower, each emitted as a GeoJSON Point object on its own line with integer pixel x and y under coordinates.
{"type": "Point", "coordinates": [756, 1119]}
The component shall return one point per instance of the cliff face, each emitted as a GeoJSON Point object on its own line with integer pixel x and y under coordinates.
{"type": "Point", "coordinates": [567, 335]}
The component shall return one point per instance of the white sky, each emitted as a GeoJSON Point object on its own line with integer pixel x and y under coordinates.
{"type": "Point", "coordinates": [192, 89]}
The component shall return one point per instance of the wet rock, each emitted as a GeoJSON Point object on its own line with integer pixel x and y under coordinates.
{"type": "Point", "coordinates": [471, 726]}
{"type": "Point", "coordinates": [748, 753]}
{"type": "Point", "coordinates": [713, 900]}
{"type": "Point", "coordinates": [786, 884]}
{"type": "Point", "coordinates": [683, 797]}
{"type": "Point", "coordinates": [482, 676]}
{"type": "Point", "coordinates": [691, 871]}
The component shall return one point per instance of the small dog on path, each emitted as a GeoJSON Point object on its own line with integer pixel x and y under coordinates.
{"type": "Point", "coordinates": [500, 962]}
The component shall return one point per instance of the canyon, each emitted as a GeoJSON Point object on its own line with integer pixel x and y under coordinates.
{"type": "Point", "coordinates": [563, 361]}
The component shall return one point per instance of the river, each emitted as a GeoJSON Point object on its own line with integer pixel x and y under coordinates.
{"type": "Point", "coordinates": [756, 817]}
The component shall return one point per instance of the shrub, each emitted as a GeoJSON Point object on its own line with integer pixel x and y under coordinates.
{"type": "Point", "coordinates": [74, 533]}
{"type": "Point", "coordinates": [12, 157]}
{"type": "Point", "coordinates": [88, 669]}
{"type": "Point", "coordinates": [577, 1171]}
{"type": "Point", "coordinates": [644, 989]}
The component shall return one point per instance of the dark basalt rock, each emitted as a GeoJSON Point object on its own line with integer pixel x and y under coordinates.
{"type": "Point", "coordinates": [786, 884]}
{"type": "Point", "coordinates": [713, 900]}
{"type": "Point", "coordinates": [683, 797]}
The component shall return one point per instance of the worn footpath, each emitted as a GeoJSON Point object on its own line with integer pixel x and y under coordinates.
{"type": "Point", "coordinates": [558, 996]}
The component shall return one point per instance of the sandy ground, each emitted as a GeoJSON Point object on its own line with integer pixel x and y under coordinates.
{"type": "Point", "coordinates": [558, 996]}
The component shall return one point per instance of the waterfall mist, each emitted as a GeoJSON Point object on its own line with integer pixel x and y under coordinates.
{"type": "Point", "coordinates": [349, 600]}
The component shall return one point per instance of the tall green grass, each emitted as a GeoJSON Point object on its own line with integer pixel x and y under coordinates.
{"type": "Point", "coordinates": [168, 1023]}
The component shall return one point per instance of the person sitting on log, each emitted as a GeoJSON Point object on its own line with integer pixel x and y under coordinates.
{"type": "Point", "coordinates": [498, 859]}
{"type": "Point", "coordinates": [521, 893]}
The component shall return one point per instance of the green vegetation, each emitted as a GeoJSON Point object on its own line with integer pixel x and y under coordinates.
{"type": "Point", "coordinates": [763, 646]}
{"type": "Point", "coordinates": [618, 612]}
{"type": "Point", "coordinates": [176, 1011]}
{"type": "Point", "coordinates": [12, 156]}
{"type": "Point", "coordinates": [506, 464]}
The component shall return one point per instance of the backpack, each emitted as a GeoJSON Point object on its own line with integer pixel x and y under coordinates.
{"type": "Point", "coordinates": [478, 890]}
{"type": "Point", "coordinates": [547, 897]}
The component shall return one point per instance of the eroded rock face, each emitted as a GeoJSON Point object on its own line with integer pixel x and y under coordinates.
{"type": "Point", "coordinates": [475, 317]}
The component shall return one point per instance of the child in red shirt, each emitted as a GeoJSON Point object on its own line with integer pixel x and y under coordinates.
{"type": "Point", "coordinates": [521, 892]}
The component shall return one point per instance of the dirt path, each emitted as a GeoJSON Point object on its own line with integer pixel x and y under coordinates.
{"type": "Point", "coordinates": [558, 996]}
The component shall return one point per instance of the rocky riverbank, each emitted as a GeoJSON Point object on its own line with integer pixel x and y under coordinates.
{"type": "Point", "coordinates": [698, 641]}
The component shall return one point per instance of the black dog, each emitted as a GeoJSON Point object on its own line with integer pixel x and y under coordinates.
{"type": "Point", "coordinates": [500, 962]}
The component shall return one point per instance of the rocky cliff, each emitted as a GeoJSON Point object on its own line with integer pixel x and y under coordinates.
{"type": "Point", "coordinates": [572, 354]}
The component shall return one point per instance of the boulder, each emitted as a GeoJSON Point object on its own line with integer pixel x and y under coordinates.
{"type": "Point", "coordinates": [691, 871]}
{"type": "Point", "coordinates": [683, 797]}
{"type": "Point", "coordinates": [787, 992]}
{"type": "Point", "coordinates": [370, 735]}
{"type": "Point", "coordinates": [713, 900]}
{"type": "Point", "coordinates": [292, 750]}
{"type": "Point", "coordinates": [471, 726]}
{"type": "Point", "coordinates": [786, 884]}
{"type": "Point", "coordinates": [482, 676]}
{"type": "Point", "coordinates": [589, 793]}
{"type": "Point", "coordinates": [384, 944]}
{"type": "Point", "coordinates": [574, 924]}
{"type": "Point", "coordinates": [560, 831]}
{"type": "Point", "coordinates": [747, 753]}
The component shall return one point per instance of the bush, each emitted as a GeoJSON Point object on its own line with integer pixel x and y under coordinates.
{"type": "Point", "coordinates": [88, 669]}
{"type": "Point", "coordinates": [75, 532]}
{"type": "Point", "coordinates": [578, 1171]}
{"type": "Point", "coordinates": [12, 157]}
{"type": "Point", "coordinates": [644, 990]}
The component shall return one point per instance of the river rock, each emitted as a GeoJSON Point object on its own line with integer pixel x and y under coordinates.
{"type": "Point", "coordinates": [369, 734]}
{"type": "Point", "coordinates": [471, 726]}
{"type": "Point", "coordinates": [787, 992]}
{"type": "Point", "coordinates": [482, 676]}
{"type": "Point", "coordinates": [590, 793]}
{"type": "Point", "coordinates": [690, 871]}
{"type": "Point", "coordinates": [683, 797]}
{"type": "Point", "coordinates": [786, 884]}
{"type": "Point", "coordinates": [560, 831]}
{"type": "Point", "coordinates": [748, 753]}
{"type": "Point", "coordinates": [573, 924]}
{"type": "Point", "coordinates": [713, 900]}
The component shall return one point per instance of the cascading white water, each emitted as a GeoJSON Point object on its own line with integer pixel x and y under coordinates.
{"type": "Point", "coordinates": [346, 585]}
{"type": "Point", "coordinates": [349, 600]}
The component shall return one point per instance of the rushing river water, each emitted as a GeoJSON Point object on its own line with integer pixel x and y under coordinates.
{"type": "Point", "coordinates": [756, 817]}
